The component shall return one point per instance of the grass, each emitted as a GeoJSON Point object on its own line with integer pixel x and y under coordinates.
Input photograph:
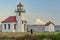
{"type": "Point", "coordinates": [28, 35]}
{"type": "Point", "coordinates": [12, 34]}
{"type": "Point", "coordinates": [16, 34]}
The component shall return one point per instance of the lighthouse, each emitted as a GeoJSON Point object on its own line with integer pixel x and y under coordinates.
{"type": "Point", "coordinates": [20, 17]}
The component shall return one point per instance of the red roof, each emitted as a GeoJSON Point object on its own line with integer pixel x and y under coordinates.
{"type": "Point", "coordinates": [20, 5]}
{"type": "Point", "coordinates": [10, 19]}
{"type": "Point", "coordinates": [48, 23]}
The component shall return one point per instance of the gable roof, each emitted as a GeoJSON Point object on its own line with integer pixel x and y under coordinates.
{"type": "Point", "coordinates": [48, 23]}
{"type": "Point", "coordinates": [10, 19]}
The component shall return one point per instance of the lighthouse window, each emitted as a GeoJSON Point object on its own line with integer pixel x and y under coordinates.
{"type": "Point", "coordinates": [19, 14]}
{"type": "Point", "coordinates": [5, 26]}
{"type": "Point", "coordinates": [15, 26]}
{"type": "Point", "coordinates": [22, 22]}
{"type": "Point", "coordinates": [9, 26]}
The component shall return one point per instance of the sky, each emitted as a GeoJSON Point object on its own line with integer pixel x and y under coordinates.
{"type": "Point", "coordinates": [46, 10]}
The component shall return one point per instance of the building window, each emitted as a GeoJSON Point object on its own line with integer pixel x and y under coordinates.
{"type": "Point", "coordinates": [9, 26]}
{"type": "Point", "coordinates": [5, 26]}
{"type": "Point", "coordinates": [19, 13]}
{"type": "Point", "coordinates": [22, 22]}
{"type": "Point", "coordinates": [15, 26]}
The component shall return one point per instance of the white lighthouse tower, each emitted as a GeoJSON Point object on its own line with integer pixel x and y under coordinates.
{"type": "Point", "coordinates": [20, 17]}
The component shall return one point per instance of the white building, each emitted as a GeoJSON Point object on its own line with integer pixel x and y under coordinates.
{"type": "Point", "coordinates": [15, 23]}
{"type": "Point", "coordinates": [48, 27]}
{"type": "Point", "coordinates": [18, 23]}
{"type": "Point", "coordinates": [36, 28]}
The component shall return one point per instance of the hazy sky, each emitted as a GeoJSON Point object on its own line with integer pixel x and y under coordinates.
{"type": "Point", "coordinates": [35, 9]}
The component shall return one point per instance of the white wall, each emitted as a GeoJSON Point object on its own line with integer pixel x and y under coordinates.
{"type": "Point", "coordinates": [39, 28]}
{"type": "Point", "coordinates": [46, 28]}
{"type": "Point", "coordinates": [20, 26]}
{"type": "Point", "coordinates": [36, 28]}
{"type": "Point", "coordinates": [51, 28]}
{"type": "Point", "coordinates": [18, 18]}
{"type": "Point", "coordinates": [11, 27]}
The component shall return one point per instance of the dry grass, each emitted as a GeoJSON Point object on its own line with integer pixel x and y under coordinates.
{"type": "Point", "coordinates": [16, 34]}
{"type": "Point", "coordinates": [27, 35]}
{"type": "Point", "coordinates": [12, 34]}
